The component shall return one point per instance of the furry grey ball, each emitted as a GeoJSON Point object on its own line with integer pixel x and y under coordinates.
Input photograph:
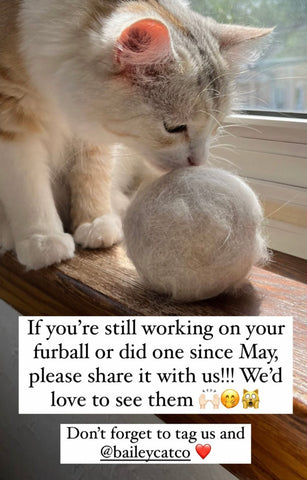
{"type": "Point", "coordinates": [195, 233]}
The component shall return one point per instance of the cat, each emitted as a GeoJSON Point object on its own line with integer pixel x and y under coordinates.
{"type": "Point", "coordinates": [78, 76]}
{"type": "Point", "coordinates": [250, 399]}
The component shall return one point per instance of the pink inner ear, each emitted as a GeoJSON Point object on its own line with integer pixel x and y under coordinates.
{"type": "Point", "coordinates": [142, 43]}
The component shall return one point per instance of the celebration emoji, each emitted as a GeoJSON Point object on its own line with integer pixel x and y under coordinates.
{"type": "Point", "coordinates": [250, 399]}
{"type": "Point", "coordinates": [230, 398]}
{"type": "Point", "coordinates": [203, 400]}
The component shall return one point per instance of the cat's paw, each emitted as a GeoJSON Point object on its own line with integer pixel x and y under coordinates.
{"type": "Point", "coordinates": [103, 232]}
{"type": "Point", "coordinates": [6, 238]}
{"type": "Point", "coordinates": [40, 251]}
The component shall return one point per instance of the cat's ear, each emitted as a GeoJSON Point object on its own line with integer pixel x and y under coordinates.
{"type": "Point", "coordinates": [241, 44]}
{"type": "Point", "coordinates": [145, 42]}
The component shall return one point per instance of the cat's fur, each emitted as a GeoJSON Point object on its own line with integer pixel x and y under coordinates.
{"type": "Point", "coordinates": [77, 76]}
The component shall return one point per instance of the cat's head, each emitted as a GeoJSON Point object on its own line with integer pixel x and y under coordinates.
{"type": "Point", "coordinates": [170, 76]}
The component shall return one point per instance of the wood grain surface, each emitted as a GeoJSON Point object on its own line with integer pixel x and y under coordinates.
{"type": "Point", "coordinates": [278, 444]}
{"type": "Point", "coordinates": [105, 283]}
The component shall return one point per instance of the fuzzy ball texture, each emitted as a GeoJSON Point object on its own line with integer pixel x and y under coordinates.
{"type": "Point", "coordinates": [195, 233]}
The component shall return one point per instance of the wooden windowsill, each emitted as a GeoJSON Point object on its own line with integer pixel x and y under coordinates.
{"type": "Point", "coordinates": [105, 283]}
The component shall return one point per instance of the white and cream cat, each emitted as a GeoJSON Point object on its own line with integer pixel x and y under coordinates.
{"type": "Point", "coordinates": [76, 77]}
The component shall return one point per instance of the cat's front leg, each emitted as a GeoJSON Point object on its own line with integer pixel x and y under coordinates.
{"type": "Point", "coordinates": [94, 224]}
{"type": "Point", "coordinates": [27, 199]}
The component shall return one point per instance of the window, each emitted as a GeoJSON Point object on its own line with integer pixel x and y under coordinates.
{"type": "Point", "coordinates": [270, 84]}
{"type": "Point", "coordinates": [299, 96]}
{"type": "Point", "coordinates": [266, 141]}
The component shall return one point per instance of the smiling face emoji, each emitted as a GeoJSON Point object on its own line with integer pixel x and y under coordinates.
{"type": "Point", "coordinates": [230, 398]}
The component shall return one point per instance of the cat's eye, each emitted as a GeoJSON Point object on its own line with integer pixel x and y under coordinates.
{"type": "Point", "coordinates": [179, 129]}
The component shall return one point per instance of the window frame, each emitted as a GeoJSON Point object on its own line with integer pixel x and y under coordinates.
{"type": "Point", "coordinates": [270, 152]}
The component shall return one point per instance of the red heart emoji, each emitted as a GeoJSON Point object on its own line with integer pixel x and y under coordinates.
{"type": "Point", "coordinates": [203, 450]}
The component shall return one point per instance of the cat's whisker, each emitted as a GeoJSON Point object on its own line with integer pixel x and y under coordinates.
{"type": "Point", "coordinates": [222, 75]}
{"type": "Point", "coordinates": [291, 78]}
{"type": "Point", "coordinates": [226, 160]}
{"type": "Point", "coordinates": [241, 125]}
{"type": "Point", "coordinates": [223, 131]}
{"type": "Point", "coordinates": [288, 202]}
{"type": "Point", "coordinates": [223, 145]}
{"type": "Point", "coordinates": [214, 118]}
{"type": "Point", "coordinates": [252, 129]}
{"type": "Point", "coordinates": [228, 149]}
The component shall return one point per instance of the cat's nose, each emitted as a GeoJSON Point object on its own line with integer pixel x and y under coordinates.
{"type": "Point", "coordinates": [193, 161]}
{"type": "Point", "coordinates": [198, 152]}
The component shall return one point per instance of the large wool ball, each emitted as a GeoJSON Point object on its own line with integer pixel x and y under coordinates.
{"type": "Point", "coordinates": [194, 233]}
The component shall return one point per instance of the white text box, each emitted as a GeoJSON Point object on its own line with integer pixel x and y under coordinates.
{"type": "Point", "coordinates": [158, 443]}
{"type": "Point", "coordinates": [155, 365]}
